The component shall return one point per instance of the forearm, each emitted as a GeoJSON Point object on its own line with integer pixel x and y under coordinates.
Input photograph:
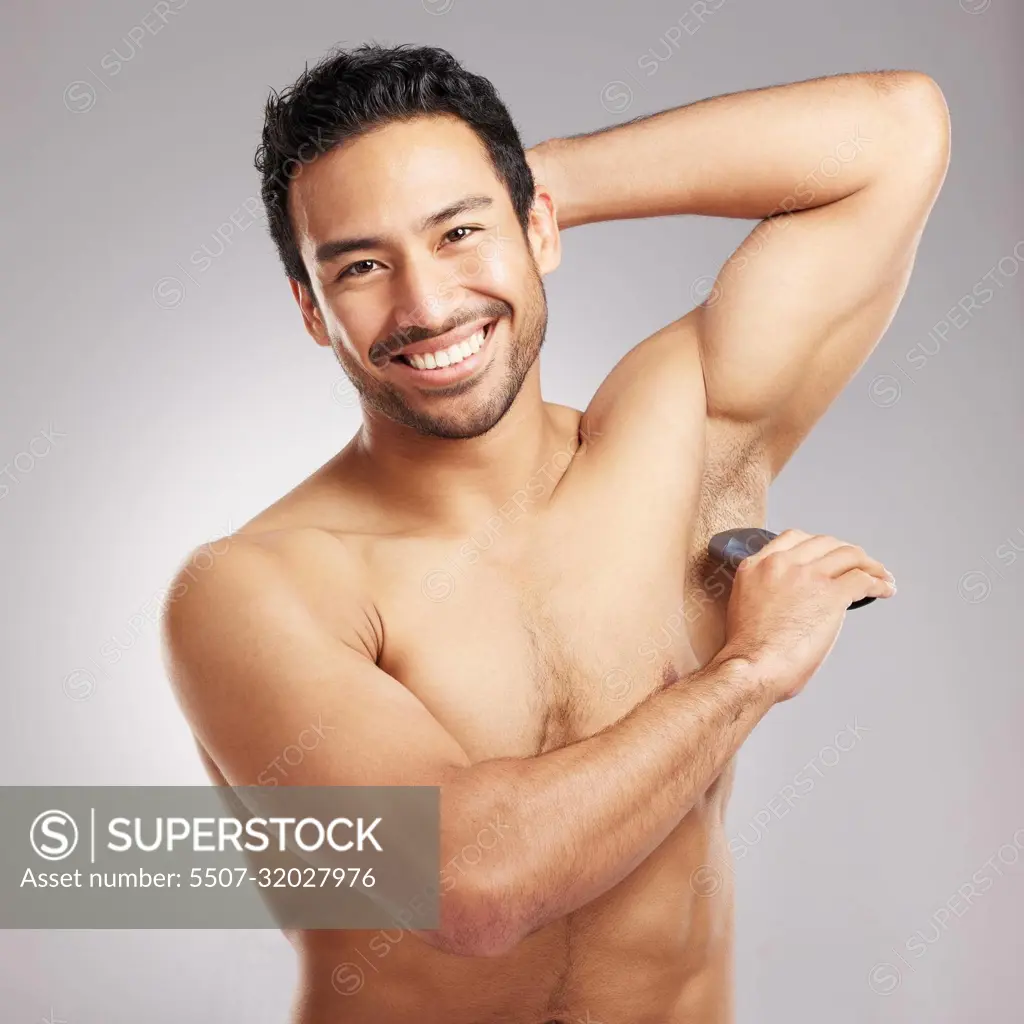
{"type": "Point", "coordinates": [575, 821]}
{"type": "Point", "coordinates": [748, 155]}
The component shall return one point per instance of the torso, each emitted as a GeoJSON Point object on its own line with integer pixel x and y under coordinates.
{"type": "Point", "coordinates": [541, 629]}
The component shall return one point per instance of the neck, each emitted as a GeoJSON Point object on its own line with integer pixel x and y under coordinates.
{"type": "Point", "coordinates": [462, 483]}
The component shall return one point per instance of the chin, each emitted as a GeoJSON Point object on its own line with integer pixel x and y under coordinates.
{"type": "Point", "coordinates": [457, 425]}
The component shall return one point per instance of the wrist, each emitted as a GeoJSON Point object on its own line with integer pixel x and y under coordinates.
{"type": "Point", "coordinates": [551, 173]}
{"type": "Point", "coordinates": [748, 674]}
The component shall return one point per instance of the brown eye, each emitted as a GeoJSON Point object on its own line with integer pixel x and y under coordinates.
{"type": "Point", "coordinates": [459, 238]}
{"type": "Point", "coordinates": [355, 271]}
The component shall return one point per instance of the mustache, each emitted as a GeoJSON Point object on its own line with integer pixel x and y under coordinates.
{"type": "Point", "coordinates": [383, 351]}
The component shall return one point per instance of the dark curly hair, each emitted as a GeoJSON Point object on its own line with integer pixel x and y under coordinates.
{"type": "Point", "coordinates": [351, 92]}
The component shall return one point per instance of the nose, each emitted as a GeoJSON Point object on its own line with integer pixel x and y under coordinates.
{"type": "Point", "coordinates": [428, 293]}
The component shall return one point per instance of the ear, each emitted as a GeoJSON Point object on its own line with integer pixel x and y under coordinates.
{"type": "Point", "coordinates": [310, 313]}
{"type": "Point", "coordinates": [542, 232]}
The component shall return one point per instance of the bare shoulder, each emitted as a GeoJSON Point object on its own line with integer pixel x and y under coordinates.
{"type": "Point", "coordinates": [657, 393]}
{"type": "Point", "coordinates": [261, 576]}
{"type": "Point", "coordinates": [275, 639]}
{"type": "Point", "coordinates": [658, 384]}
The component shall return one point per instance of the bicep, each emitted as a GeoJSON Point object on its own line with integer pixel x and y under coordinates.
{"type": "Point", "coordinates": [795, 282]}
{"type": "Point", "coordinates": [275, 698]}
{"type": "Point", "coordinates": [798, 308]}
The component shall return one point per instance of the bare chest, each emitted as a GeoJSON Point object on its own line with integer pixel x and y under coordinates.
{"type": "Point", "coordinates": [530, 635]}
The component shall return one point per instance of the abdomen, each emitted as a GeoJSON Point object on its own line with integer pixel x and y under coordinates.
{"type": "Point", "coordinates": [656, 944]}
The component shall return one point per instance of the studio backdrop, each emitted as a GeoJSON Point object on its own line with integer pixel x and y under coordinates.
{"type": "Point", "coordinates": [159, 390]}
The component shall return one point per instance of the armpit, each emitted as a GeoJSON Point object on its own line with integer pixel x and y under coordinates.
{"type": "Point", "coordinates": [734, 487]}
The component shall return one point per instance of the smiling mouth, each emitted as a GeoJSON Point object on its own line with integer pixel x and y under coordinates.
{"type": "Point", "coordinates": [453, 354]}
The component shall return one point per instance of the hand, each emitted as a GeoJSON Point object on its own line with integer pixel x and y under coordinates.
{"type": "Point", "coordinates": [788, 603]}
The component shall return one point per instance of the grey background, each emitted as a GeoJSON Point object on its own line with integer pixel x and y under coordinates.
{"type": "Point", "coordinates": [177, 422]}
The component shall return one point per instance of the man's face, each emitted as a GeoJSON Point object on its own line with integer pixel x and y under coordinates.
{"type": "Point", "coordinates": [425, 286]}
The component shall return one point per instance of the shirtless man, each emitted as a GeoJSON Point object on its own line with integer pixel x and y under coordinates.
{"type": "Point", "coordinates": [509, 599]}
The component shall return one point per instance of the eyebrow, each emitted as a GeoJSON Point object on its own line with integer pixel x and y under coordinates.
{"type": "Point", "coordinates": [328, 251]}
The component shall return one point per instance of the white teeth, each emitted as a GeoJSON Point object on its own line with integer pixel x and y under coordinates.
{"type": "Point", "coordinates": [449, 356]}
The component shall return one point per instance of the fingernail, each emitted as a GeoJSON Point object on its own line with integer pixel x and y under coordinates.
{"type": "Point", "coordinates": [889, 576]}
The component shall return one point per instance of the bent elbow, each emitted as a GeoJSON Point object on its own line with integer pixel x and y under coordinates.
{"type": "Point", "coordinates": [476, 922]}
{"type": "Point", "coordinates": [925, 124]}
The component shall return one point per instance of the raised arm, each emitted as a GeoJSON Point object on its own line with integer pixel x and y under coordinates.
{"type": "Point", "coordinates": [255, 662]}
{"type": "Point", "coordinates": [842, 172]}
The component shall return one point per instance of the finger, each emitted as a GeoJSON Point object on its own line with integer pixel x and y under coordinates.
{"type": "Point", "coordinates": [818, 547]}
{"type": "Point", "coordinates": [858, 584]}
{"type": "Point", "coordinates": [783, 542]}
{"type": "Point", "coordinates": [813, 547]}
{"type": "Point", "coordinates": [846, 557]}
